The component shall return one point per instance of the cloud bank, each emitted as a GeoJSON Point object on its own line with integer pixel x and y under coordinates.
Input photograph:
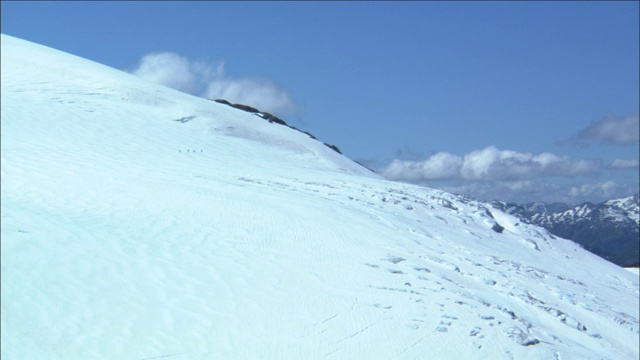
{"type": "Point", "coordinates": [489, 163]}
{"type": "Point", "coordinates": [536, 191]}
{"type": "Point", "coordinates": [208, 81]}
{"type": "Point", "coordinates": [610, 130]}
{"type": "Point", "coordinates": [512, 176]}
{"type": "Point", "coordinates": [622, 164]}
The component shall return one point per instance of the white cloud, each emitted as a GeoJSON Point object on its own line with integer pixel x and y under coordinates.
{"type": "Point", "coordinates": [489, 163]}
{"type": "Point", "coordinates": [612, 130]}
{"type": "Point", "coordinates": [211, 82]}
{"type": "Point", "coordinates": [624, 164]}
{"type": "Point", "coordinates": [520, 191]}
{"type": "Point", "coordinates": [171, 70]}
{"type": "Point", "coordinates": [526, 191]}
{"type": "Point", "coordinates": [441, 166]}
{"type": "Point", "coordinates": [603, 190]}
{"type": "Point", "coordinates": [260, 93]}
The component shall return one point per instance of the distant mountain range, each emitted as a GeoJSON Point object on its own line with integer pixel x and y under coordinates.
{"type": "Point", "coordinates": [608, 229]}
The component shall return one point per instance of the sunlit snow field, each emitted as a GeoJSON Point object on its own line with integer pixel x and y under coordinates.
{"type": "Point", "coordinates": [139, 222]}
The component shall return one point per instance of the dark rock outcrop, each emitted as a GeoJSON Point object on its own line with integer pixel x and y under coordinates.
{"type": "Point", "coordinates": [242, 107]}
{"type": "Point", "coordinates": [333, 147]}
{"type": "Point", "coordinates": [273, 119]}
{"type": "Point", "coordinates": [223, 101]}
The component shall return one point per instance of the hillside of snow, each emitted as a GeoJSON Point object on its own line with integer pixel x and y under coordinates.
{"type": "Point", "coordinates": [139, 222]}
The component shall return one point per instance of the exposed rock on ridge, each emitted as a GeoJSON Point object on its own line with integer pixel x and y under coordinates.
{"type": "Point", "coordinates": [272, 119]}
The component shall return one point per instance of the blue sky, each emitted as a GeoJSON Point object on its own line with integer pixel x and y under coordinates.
{"type": "Point", "coordinates": [518, 101]}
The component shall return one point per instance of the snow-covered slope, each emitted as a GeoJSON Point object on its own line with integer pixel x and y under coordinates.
{"type": "Point", "coordinates": [139, 222]}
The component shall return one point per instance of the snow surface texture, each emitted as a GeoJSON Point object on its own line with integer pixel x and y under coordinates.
{"type": "Point", "coordinates": [139, 222]}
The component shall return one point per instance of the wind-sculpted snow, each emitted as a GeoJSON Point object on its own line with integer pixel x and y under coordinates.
{"type": "Point", "coordinates": [139, 223]}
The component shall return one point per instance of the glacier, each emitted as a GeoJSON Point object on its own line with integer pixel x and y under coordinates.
{"type": "Point", "coordinates": [139, 222]}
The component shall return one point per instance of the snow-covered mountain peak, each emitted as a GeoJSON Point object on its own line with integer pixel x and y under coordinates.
{"type": "Point", "coordinates": [140, 222]}
{"type": "Point", "coordinates": [629, 207]}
